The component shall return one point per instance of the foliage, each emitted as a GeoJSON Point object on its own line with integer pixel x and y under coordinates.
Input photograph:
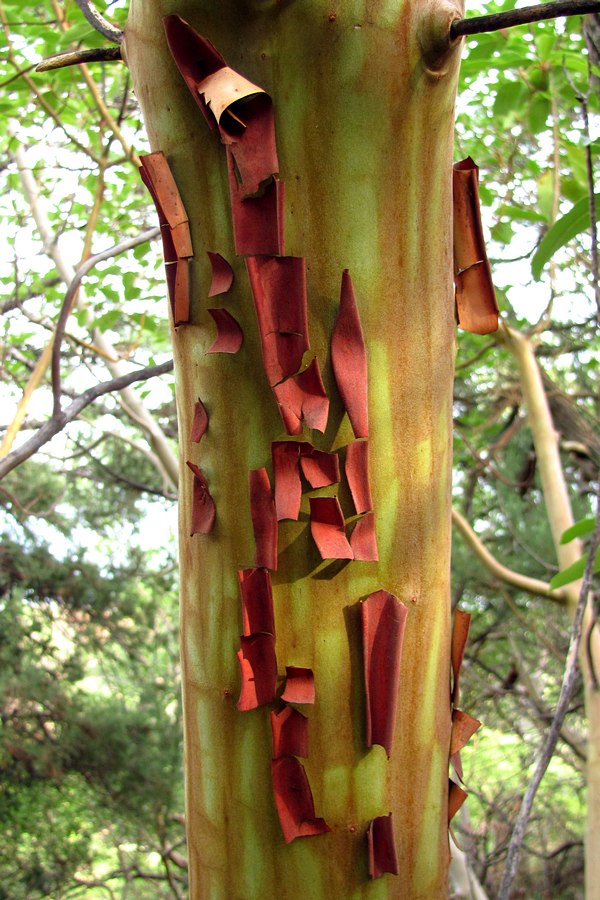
{"type": "Point", "coordinates": [90, 788]}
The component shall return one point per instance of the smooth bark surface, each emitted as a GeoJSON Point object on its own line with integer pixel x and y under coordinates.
{"type": "Point", "coordinates": [364, 113]}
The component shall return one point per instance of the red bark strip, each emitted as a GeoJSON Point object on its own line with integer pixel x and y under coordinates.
{"type": "Point", "coordinates": [199, 423]}
{"type": "Point", "coordinates": [382, 851]}
{"type": "Point", "coordinates": [456, 798]}
{"type": "Point", "coordinates": [222, 274]}
{"type": "Point", "coordinates": [460, 632]}
{"type": "Point", "coordinates": [302, 398]}
{"type": "Point", "coordinates": [349, 359]}
{"type": "Point", "coordinates": [203, 505]}
{"type": "Point", "coordinates": [357, 473]}
{"type": "Point", "coordinates": [174, 229]}
{"type": "Point", "coordinates": [264, 519]}
{"type": "Point", "coordinates": [230, 336]}
{"type": "Point", "coordinates": [257, 601]}
{"type": "Point", "coordinates": [288, 486]}
{"type": "Point", "coordinates": [299, 685]}
{"type": "Point", "coordinates": [294, 800]}
{"type": "Point", "coordinates": [157, 176]}
{"type": "Point", "coordinates": [290, 733]}
{"type": "Point", "coordinates": [476, 305]}
{"type": "Point", "coordinates": [181, 292]}
{"type": "Point", "coordinates": [279, 289]}
{"type": "Point", "coordinates": [258, 667]}
{"type": "Point", "coordinates": [257, 221]}
{"type": "Point", "coordinates": [195, 57]}
{"type": "Point", "coordinates": [363, 539]}
{"type": "Point", "coordinates": [464, 727]}
{"type": "Point", "coordinates": [319, 467]}
{"type": "Point", "coordinates": [327, 528]}
{"type": "Point", "coordinates": [383, 621]}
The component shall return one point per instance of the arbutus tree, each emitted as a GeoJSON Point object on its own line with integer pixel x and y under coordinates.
{"type": "Point", "coordinates": [310, 147]}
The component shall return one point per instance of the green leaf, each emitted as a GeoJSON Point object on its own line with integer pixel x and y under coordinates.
{"type": "Point", "coordinates": [545, 43]}
{"type": "Point", "coordinates": [520, 213]}
{"type": "Point", "coordinates": [573, 572]}
{"type": "Point", "coordinates": [509, 97]}
{"type": "Point", "coordinates": [583, 526]}
{"type": "Point", "coordinates": [563, 231]}
{"type": "Point", "coordinates": [502, 232]}
{"type": "Point", "coordinates": [539, 112]}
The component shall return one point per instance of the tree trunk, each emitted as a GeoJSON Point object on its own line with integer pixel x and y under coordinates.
{"type": "Point", "coordinates": [363, 96]}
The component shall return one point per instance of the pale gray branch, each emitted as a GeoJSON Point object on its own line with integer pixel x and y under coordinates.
{"type": "Point", "coordinates": [58, 422]}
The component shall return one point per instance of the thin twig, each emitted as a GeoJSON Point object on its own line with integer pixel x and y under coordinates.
{"type": "Point", "coordinates": [58, 422]}
{"type": "Point", "coordinates": [99, 23]}
{"type": "Point", "coordinates": [568, 684]}
{"type": "Point", "coordinates": [497, 21]}
{"type": "Point", "coordinates": [76, 57]}
{"type": "Point", "coordinates": [592, 201]}
{"type": "Point", "coordinates": [67, 304]}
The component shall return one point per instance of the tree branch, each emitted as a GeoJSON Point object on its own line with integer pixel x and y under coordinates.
{"type": "Point", "coordinates": [523, 582]}
{"type": "Point", "coordinates": [71, 293]}
{"type": "Point", "coordinates": [77, 57]}
{"type": "Point", "coordinates": [98, 22]}
{"type": "Point", "coordinates": [58, 422]}
{"type": "Point", "coordinates": [514, 847]}
{"type": "Point", "coordinates": [497, 21]}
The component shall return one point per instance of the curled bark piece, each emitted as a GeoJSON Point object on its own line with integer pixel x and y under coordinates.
{"type": "Point", "coordinates": [460, 632]}
{"type": "Point", "coordinates": [319, 467]}
{"type": "Point", "coordinates": [456, 798]}
{"type": "Point", "coordinates": [327, 528]}
{"type": "Point", "coordinates": [229, 334]}
{"type": "Point", "coordinates": [203, 505]}
{"type": "Point", "coordinates": [257, 221]}
{"type": "Point", "coordinates": [464, 727]}
{"type": "Point", "coordinates": [302, 398]}
{"type": "Point", "coordinates": [363, 539]}
{"type": "Point", "coordinates": [357, 473]}
{"type": "Point", "coordinates": [279, 290]}
{"type": "Point", "coordinates": [382, 851]}
{"type": "Point", "coordinates": [199, 422]}
{"type": "Point", "coordinates": [243, 111]}
{"type": "Point", "coordinates": [476, 305]}
{"type": "Point", "coordinates": [222, 274]}
{"type": "Point", "coordinates": [175, 231]}
{"type": "Point", "coordinates": [288, 486]}
{"type": "Point", "coordinates": [294, 800]}
{"type": "Point", "coordinates": [349, 359]}
{"type": "Point", "coordinates": [156, 174]}
{"type": "Point", "coordinates": [258, 667]}
{"type": "Point", "coordinates": [290, 733]}
{"type": "Point", "coordinates": [257, 601]}
{"type": "Point", "coordinates": [264, 519]}
{"type": "Point", "coordinates": [299, 685]}
{"type": "Point", "coordinates": [383, 621]}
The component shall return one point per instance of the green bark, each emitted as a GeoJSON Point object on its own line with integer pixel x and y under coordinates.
{"type": "Point", "coordinates": [364, 114]}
